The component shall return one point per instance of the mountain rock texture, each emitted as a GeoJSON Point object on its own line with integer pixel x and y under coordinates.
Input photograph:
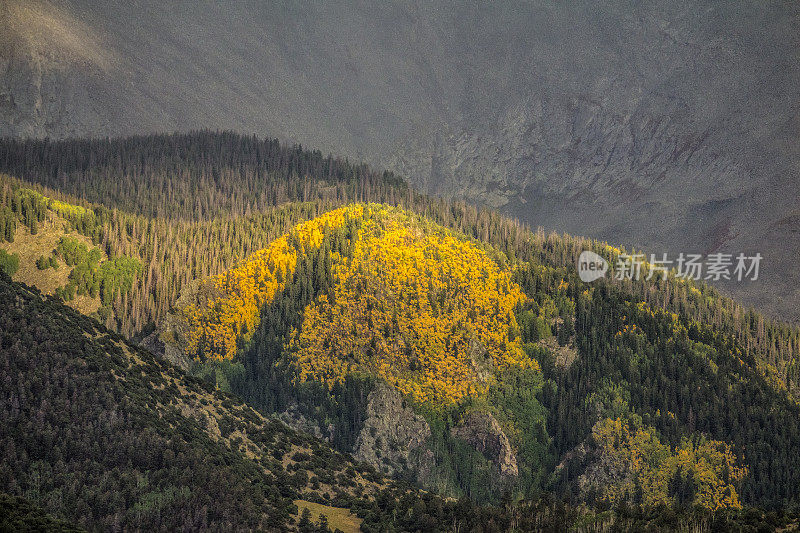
{"type": "Point", "coordinates": [394, 438]}
{"type": "Point", "coordinates": [672, 127]}
{"type": "Point", "coordinates": [483, 432]}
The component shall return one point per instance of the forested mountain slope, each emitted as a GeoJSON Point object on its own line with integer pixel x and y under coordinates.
{"type": "Point", "coordinates": [673, 124]}
{"type": "Point", "coordinates": [183, 206]}
{"type": "Point", "coordinates": [110, 437]}
{"type": "Point", "coordinates": [194, 238]}
{"type": "Point", "coordinates": [194, 176]}
{"type": "Point", "coordinates": [162, 174]}
{"type": "Point", "coordinates": [444, 360]}
{"type": "Point", "coordinates": [443, 344]}
{"type": "Point", "coordinates": [101, 434]}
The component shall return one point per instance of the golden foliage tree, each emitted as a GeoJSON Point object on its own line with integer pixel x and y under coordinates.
{"type": "Point", "coordinates": [634, 466]}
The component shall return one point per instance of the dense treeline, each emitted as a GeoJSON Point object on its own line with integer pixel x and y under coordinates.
{"type": "Point", "coordinates": [770, 346]}
{"type": "Point", "coordinates": [20, 206]}
{"type": "Point", "coordinates": [198, 176]}
{"type": "Point", "coordinates": [395, 512]}
{"type": "Point", "coordinates": [18, 514]}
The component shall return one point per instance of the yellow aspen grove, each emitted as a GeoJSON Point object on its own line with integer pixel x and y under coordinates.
{"type": "Point", "coordinates": [239, 294]}
{"type": "Point", "coordinates": [428, 312]}
{"type": "Point", "coordinates": [431, 313]}
{"type": "Point", "coordinates": [635, 462]}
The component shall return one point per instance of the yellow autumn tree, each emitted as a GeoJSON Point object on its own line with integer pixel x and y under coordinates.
{"type": "Point", "coordinates": [634, 466]}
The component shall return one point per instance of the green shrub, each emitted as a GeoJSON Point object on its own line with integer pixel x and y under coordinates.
{"type": "Point", "coordinates": [9, 263]}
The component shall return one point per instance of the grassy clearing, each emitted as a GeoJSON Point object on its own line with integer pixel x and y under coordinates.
{"type": "Point", "coordinates": [337, 518]}
{"type": "Point", "coordinates": [31, 247]}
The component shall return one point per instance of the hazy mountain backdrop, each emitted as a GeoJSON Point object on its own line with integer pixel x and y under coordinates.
{"type": "Point", "coordinates": [671, 126]}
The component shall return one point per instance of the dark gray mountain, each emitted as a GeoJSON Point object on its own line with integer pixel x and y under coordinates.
{"type": "Point", "coordinates": [671, 126]}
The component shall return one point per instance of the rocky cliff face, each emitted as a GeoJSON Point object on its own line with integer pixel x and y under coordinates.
{"type": "Point", "coordinates": [397, 441]}
{"type": "Point", "coordinates": [394, 439]}
{"type": "Point", "coordinates": [666, 125]}
{"type": "Point", "coordinates": [483, 432]}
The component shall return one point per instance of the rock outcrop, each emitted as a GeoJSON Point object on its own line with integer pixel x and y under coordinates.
{"type": "Point", "coordinates": [295, 419]}
{"type": "Point", "coordinates": [483, 432]}
{"type": "Point", "coordinates": [394, 438]}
